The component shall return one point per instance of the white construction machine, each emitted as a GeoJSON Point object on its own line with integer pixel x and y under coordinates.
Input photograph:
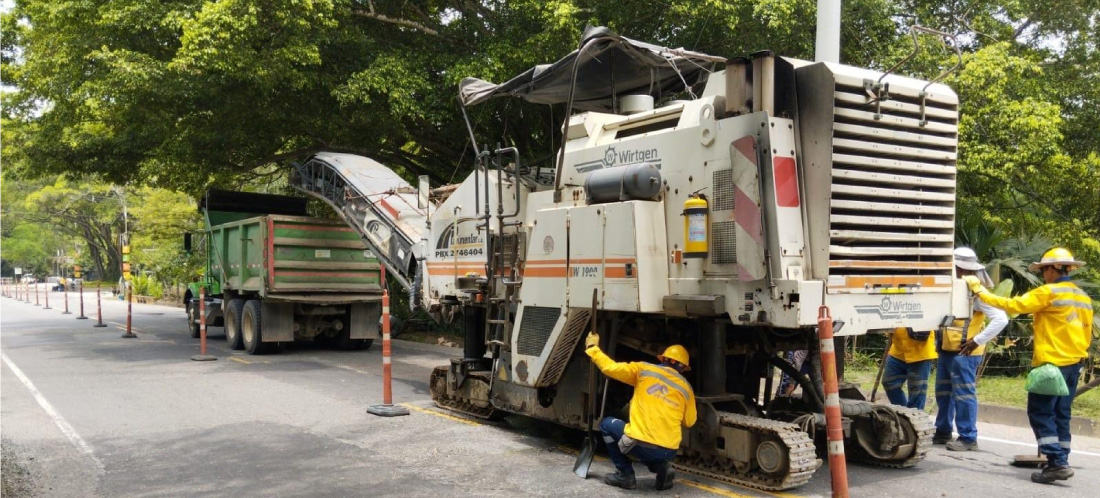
{"type": "Point", "coordinates": [721, 222]}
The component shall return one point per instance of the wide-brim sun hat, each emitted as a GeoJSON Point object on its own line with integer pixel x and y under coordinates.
{"type": "Point", "coordinates": [966, 259]}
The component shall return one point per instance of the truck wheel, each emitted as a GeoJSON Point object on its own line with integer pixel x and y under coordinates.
{"type": "Point", "coordinates": [252, 328]}
{"type": "Point", "coordinates": [193, 318]}
{"type": "Point", "coordinates": [234, 310]}
{"type": "Point", "coordinates": [364, 344]}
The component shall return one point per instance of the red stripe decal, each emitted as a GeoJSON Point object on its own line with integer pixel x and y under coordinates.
{"type": "Point", "coordinates": [786, 182]}
{"type": "Point", "coordinates": [747, 214]}
{"type": "Point", "coordinates": [744, 275]}
{"type": "Point", "coordinates": [747, 147]}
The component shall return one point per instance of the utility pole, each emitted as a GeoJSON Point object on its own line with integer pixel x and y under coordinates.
{"type": "Point", "coordinates": [827, 46]}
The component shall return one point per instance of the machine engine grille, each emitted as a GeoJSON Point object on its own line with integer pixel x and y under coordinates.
{"type": "Point", "coordinates": [893, 184]}
{"type": "Point", "coordinates": [535, 329]}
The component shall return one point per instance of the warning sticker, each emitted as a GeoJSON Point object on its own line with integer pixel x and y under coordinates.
{"type": "Point", "coordinates": [322, 253]}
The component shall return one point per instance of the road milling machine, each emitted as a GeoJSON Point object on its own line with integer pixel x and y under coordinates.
{"type": "Point", "coordinates": [722, 222]}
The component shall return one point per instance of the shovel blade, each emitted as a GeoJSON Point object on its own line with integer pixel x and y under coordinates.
{"type": "Point", "coordinates": [584, 459]}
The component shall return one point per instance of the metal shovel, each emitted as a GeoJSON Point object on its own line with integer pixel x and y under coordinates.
{"type": "Point", "coordinates": [588, 450]}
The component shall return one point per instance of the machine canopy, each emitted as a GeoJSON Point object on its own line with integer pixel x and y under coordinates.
{"type": "Point", "coordinates": [606, 64]}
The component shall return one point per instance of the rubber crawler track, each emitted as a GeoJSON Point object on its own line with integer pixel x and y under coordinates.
{"type": "Point", "coordinates": [438, 385]}
{"type": "Point", "coordinates": [802, 456]}
{"type": "Point", "coordinates": [924, 428]}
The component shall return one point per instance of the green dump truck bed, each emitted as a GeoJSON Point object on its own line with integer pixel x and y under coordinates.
{"type": "Point", "coordinates": [293, 258]}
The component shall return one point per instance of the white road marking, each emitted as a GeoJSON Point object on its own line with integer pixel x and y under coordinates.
{"type": "Point", "coordinates": [57, 418]}
{"type": "Point", "coordinates": [1033, 446]}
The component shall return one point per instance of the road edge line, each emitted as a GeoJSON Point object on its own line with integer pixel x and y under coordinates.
{"type": "Point", "coordinates": [62, 424]}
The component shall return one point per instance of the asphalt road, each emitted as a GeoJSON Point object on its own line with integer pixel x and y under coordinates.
{"type": "Point", "coordinates": [91, 414]}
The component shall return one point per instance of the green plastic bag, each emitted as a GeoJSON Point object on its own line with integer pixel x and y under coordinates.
{"type": "Point", "coordinates": [1047, 379]}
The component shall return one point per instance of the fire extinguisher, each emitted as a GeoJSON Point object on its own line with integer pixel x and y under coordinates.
{"type": "Point", "coordinates": [695, 226]}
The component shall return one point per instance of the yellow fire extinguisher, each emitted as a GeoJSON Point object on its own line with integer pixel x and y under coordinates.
{"type": "Point", "coordinates": [695, 226]}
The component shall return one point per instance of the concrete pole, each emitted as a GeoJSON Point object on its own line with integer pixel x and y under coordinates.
{"type": "Point", "coordinates": [827, 46]}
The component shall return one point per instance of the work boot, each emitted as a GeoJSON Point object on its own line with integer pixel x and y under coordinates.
{"type": "Point", "coordinates": [1050, 474]}
{"type": "Point", "coordinates": [941, 439]}
{"type": "Point", "coordinates": [620, 480]}
{"type": "Point", "coordinates": [960, 445]}
{"type": "Point", "coordinates": [666, 477]}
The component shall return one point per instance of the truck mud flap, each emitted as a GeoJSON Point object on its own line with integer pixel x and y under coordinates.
{"type": "Point", "coordinates": [278, 322]}
{"type": "Point", "coordinates": [364, 320]}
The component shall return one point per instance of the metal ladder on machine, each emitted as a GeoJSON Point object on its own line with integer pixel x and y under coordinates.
{"type": "Point", "coordinates": [503, 255]}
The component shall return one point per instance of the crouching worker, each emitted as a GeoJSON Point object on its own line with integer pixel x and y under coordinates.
{"type": "Point", "coordinates": [663, 402]}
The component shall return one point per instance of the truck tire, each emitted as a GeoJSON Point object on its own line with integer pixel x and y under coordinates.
{"type": "Point", "coordinates": [252, 328]}
{"type": "Point", "coordinates": [234, 310]}
{"type": "Point", "coordinates": [193, 318]}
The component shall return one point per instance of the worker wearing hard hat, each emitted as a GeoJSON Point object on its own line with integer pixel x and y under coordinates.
{"type": "Point", "coordinates": [1062, 320]}
{"type": "Point", "coordinates": [961, 347]}
{"type": "Point", "coordinates": [908, 365]}
{"type": "Point", "coordinates": [663, 402]}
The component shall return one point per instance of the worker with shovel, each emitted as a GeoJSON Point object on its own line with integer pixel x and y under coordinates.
{"type": "Point", "coordinates": [1062, 320]}
{"type": "Point", "coordinates": [663, 402]}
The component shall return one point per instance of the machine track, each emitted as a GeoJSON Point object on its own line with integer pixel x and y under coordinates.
{"type": "Point", "coordinates": [801, 456]}
{"type": "Point", "coordinates": [444, 399]}
{"type": "Point", "coordinates": [922, 426]}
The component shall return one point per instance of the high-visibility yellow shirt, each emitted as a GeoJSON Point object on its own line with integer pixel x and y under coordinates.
{"type": "Point", "coordinates": [663, 400]}
{"type": "Point", "coordinates": [1062, 321]}
{"type": "Point", "coordinates": [911, 350]}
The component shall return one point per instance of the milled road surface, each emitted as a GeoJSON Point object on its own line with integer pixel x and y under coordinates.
{"type": "Point", "coordinates": [92, 414]}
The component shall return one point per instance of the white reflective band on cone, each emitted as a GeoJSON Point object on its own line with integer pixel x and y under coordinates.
{"type": "Point", "coordinates": [832, 399]}
{"type": "Point", "coordinates": [385, 310]}
{"type": "Point", "coordinates": [385, 360]}
{"type": "Point", "coordinates": [827, 346]}
{"type": "Point", "coordinates": [836, 447]}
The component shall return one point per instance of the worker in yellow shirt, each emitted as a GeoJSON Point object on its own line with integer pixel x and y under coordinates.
{"type": "Point", "coordinates": [1062, 321]}
{"type": "Point", "coordinates": [663, 402]}
{"type": "Point", "coordinates": [909, 364]}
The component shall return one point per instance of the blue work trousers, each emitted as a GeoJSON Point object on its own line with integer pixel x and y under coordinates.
{"type": "Point", "coordinates": [653, 457]}
{"type": "Point", "coordinates": [957, 396]}
{"type": "Point", "coordinates": [1049, 417]}
{"type": "Point", "coordinates": [899, 373]}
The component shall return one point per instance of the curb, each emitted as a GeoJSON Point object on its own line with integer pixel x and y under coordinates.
{"type": "Point", "coordinates": [1005, 415]}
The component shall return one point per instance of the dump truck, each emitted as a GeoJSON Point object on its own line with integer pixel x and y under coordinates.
{"type": "Point", "coordinates": [705, 201]}
{"type": "Point", "coordinates": [276, 275]}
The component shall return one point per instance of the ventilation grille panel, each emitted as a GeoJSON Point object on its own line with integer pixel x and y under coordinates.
{"type": "Point", "coordinates": [538, 323]}
{"type": "Point", "coordinates": [723, 242]}
{"type": "Point", "coordinates": [893, 185]}
{"type": "Point", "coordinates": [723, 190]}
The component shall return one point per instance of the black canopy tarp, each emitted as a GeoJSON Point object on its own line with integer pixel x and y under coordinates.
{"type": "Point", "coordinates": [606, 64]}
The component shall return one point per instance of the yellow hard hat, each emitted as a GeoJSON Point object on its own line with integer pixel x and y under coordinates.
{"type": "Point", "coordinates": [1058, 256]}
{"type": "Point", "coordinates": [676, 353]}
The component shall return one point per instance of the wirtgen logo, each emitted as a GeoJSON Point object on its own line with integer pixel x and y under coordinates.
{"type": "Point", "coordinates": [612, 158]}
{"type": "Point", "coordinates": [893, 309]}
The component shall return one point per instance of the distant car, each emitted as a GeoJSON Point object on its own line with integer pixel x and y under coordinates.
{"type": "Point", "coordinates": [29, 279]}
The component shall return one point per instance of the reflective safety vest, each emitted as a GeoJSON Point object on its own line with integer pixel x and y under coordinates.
{"type": "Point", "coordinates": [663, 400]}
{"type": "Point", "coordinates": [1062, 320]}
{"type": "Point", "coordinates": [911, 350]}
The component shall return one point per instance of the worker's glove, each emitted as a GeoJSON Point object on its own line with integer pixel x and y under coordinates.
{"type": "Point", "coordinates": [593, 340]}
{"type": "Point", "coordinates": [975, 285]}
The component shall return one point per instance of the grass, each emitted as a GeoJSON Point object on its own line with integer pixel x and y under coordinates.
{"type": "Point", "coordinates": [993, 390]}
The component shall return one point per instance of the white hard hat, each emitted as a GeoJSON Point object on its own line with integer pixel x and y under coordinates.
{"type": "Point", "coordinates": [967, 259]}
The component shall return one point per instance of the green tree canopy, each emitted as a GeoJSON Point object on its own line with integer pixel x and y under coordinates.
{"type": "Point", "coordinates": [188, 93]}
